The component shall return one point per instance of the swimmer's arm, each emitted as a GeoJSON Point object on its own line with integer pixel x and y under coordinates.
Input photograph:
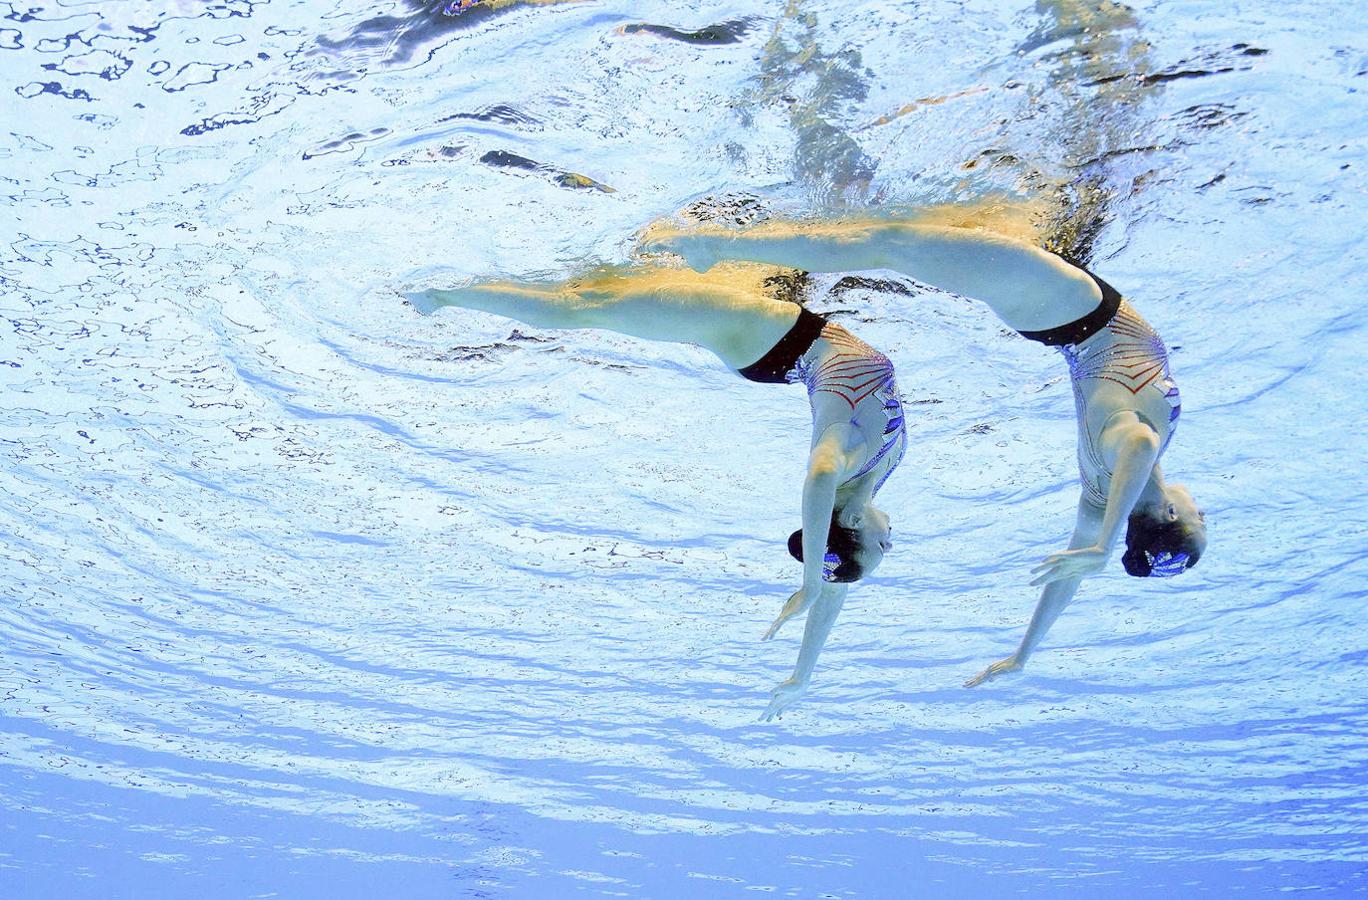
{"type": "Point", "coordinates": [1132, 448]}
{"type": "Point", "coordinates": [1088, 527]}
{"type": "Point", "coordinates": [972, 262]}
{"type": "Point", "coordinates": [819, 621]}
{"type": "Point", "coordinates": [826, 465]}
{"type": "Point", "coordinates": [1053, 599]}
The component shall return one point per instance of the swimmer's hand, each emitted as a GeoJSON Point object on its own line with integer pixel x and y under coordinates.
{"type": "Point", "coordinates": [782, 697]}
{"type": "Point", "coordinates": [796, 605]}
{"type": "Point", "coordinates": [1001, 667]}
{"type": "Point", "coordinates": [1070, 564]}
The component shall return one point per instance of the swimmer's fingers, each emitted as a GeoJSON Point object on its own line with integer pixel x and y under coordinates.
{"type": "Point", "coordinates": [1001, 667]}
{"type": "Point", "coordinates": [1051, 562]}
{"type": "Point", "coordinates": [781, 698]}
{"type": "Point", "coordinates": [1070, 564]}
{"type": "Point", "coordinates": [778, 623]}
{"type": "Point", "coordinates": [1048, 572]}
{"type": "Point", "coordinates": [794, 605]}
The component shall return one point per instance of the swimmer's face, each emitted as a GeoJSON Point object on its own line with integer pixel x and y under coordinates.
{"type": "Point", "coordinates": [876, 537]}
{"type": "Point", "coordinates": [1181, 508]}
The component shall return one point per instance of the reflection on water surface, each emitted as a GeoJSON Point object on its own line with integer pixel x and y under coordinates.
{"type": "Point", "coordinates": [309, 594]}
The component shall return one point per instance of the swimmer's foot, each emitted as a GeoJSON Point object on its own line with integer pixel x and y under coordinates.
{"type": "Point", "coordinates": [424, 301]}
{"type": "Point", "coordinates": [776, 625]}
{"type": "Point", "coordinates": [782, 697]}
{"type": "Point", "coordinates": [695, 246]}
{"type": "Point", "coordinates": [1001, 667]}
{"type": "Point", "coordinates": [657, 237]}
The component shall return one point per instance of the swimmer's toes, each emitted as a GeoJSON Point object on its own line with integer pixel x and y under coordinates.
{"type": "Point", "coordinates": [422, 301]}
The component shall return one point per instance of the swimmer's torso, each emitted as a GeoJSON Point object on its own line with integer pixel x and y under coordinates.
{"type": "Point", "coordinates": [849, 381]}
{"type": "Point", "coordinates": [1124, 366]}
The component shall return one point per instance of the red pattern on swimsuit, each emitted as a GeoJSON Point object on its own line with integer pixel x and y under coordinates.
{"type": "Point", "coordinates": [855, 371]}
{"type": "Point", "coordinates": [1134, 357]}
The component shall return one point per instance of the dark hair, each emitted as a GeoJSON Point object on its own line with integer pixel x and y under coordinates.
{"type": "Point", "coordinates": [1148, 537]}
{"type": "Point", "coordinates": [841, 541]}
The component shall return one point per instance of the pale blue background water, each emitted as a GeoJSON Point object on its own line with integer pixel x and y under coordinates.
{"type": "Point", "coordinates": [308, 596]}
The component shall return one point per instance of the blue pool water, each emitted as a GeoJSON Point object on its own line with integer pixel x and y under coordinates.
{"type": "Point", "coordinates": [306, 595]}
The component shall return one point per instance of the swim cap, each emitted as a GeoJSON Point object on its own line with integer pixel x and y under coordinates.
{"type": "Point", "coordinates": [1165, 564]}
{"type": "Point", "coordinates": [1158, 549]}
{"type": "Point", "coordinates": [836, 568]}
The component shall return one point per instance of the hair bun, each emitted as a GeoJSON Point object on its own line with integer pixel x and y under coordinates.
{"type": "Point", "coordinates": [1136, 562]}
{"type": "Point", "coordinates": [839, 565]}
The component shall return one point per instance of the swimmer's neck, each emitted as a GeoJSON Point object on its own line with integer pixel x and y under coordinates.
{"type": "Point", "coordinates": [1154, 497]}
{"type": "Point", "coordinates": [853, 499]}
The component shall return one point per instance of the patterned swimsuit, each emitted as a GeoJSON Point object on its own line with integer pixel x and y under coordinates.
{"type": "Point", "coordinates": [863, 378]}
{"type": "Point", "coordinates": [1126, 351]}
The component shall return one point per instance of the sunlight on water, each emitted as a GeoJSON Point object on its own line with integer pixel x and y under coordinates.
{"type": "Point", "coordinates": [309, 595]}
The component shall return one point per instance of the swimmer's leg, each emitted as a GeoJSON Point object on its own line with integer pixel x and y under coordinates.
{"type": "Point", "coordinates": [633, 304]}
{"type": "Point", "coordinates": [594, 298]}
{"type": "Point", "coordinates": [820, 618]}
{"type": "Point", "coordinates": [543, 305]}
{"type": "Point", "coordinates": [654, 303]}
{"type": "Point", "coordinates": [1015, 278]}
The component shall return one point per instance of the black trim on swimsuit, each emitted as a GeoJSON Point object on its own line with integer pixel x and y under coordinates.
{"type": "Point", "coordinates": [1080, 330]}
{"type": "Point", "coordinates": [779, 361]}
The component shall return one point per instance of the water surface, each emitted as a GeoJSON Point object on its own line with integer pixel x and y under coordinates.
{"type": "Point", "coordinates": [310, 596]}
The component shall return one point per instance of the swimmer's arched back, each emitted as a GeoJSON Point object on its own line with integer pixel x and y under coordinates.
{"type": "Point", "coordinates": [858, 435]}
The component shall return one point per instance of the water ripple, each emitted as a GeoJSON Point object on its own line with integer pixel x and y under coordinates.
{"type": "Point", "coordinates": [308, 593]}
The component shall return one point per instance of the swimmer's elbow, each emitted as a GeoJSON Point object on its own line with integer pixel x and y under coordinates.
{"type": "Point", "coordinates": [823, 465]}
{"type": "Point", "coordinates": [822, 472]}
{"type": "Point", "coordinates": [1140, 442]}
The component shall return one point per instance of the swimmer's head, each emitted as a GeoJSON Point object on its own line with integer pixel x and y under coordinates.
{"type": "Point", "coordinates": [853, 550]}
{"type": "Point", "coordinates": [1167, 539]}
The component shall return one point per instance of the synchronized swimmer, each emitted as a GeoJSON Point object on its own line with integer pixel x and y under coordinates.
{"type": "Point", "coordinates": [727, 301]}
{"type": "Point", "coordinates": [858, 433]}
{"type": "Point", "coordinates": [1124, 393]}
